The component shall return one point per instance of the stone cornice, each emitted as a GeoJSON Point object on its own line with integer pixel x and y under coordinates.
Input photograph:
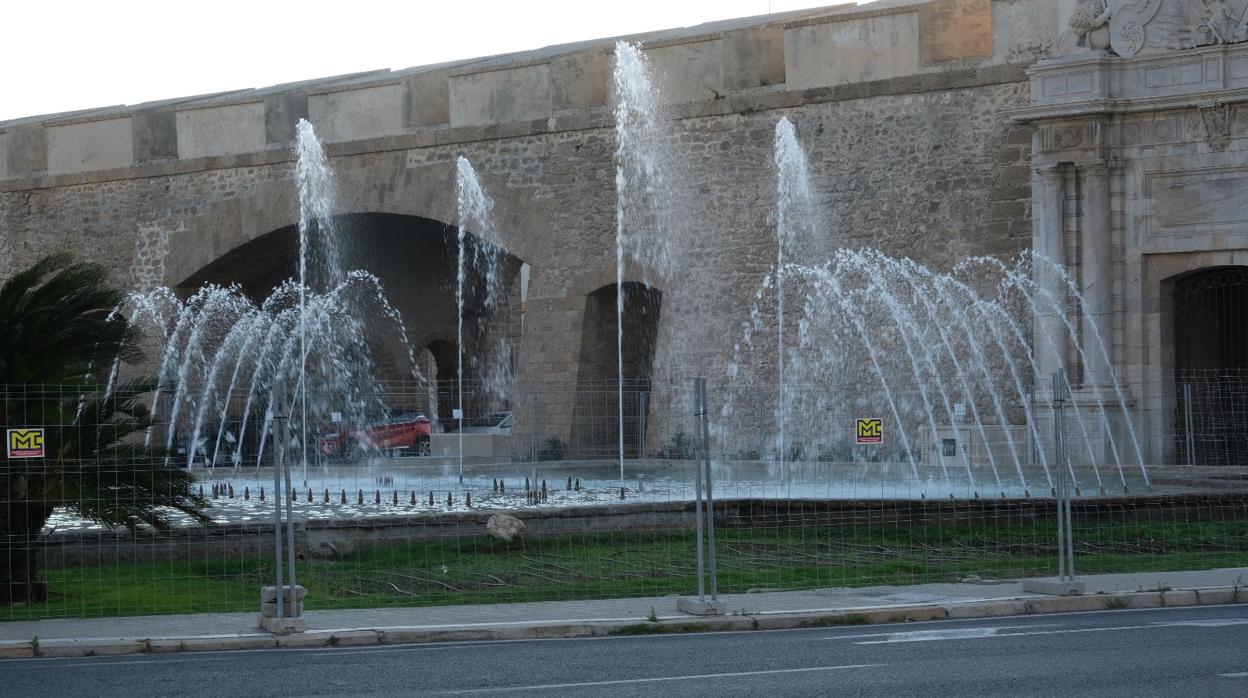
{"type": "Point", "coordinates": [740, 102]}
{"type": "Point", "coordinates": [1103, 107]}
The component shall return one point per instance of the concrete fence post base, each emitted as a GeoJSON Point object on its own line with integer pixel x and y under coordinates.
{"type": "Point", "coordinates": [292, 609]}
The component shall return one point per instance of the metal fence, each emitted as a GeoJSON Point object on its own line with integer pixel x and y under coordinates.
{"type": "Point", "coordinates": [391, 510]}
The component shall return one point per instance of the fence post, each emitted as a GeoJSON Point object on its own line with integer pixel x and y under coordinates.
{"type": "Point", "coordinates": [286, 591]}
{"type": "Point", "coordinates": [697, 506]}
{"type": "Point", "coordinates": [710, 497]}
{"type": "Point", "coordinates": [534, 430]}
{"type": "Point", "coordinates": [758, 421]}
{"type": "Point", "coordinates": [279, 453]}
{"type": "Point", "coordinates": [643, 400]}
{"type": "Point", "coordinates": [1187, 421]}
{"type": "Point", "coordinates": [701, 606]}
{"type": "Point", "coordinates": [1033, 429]}
{"type": "Point", "coordinates": [1065, 584]}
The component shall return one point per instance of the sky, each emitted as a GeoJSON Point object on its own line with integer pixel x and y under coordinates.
{"type": "Point", "coordinates": [66, 55]}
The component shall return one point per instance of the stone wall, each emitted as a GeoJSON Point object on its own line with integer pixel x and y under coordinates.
{"type": "Point", "coordinates": [911, 151]}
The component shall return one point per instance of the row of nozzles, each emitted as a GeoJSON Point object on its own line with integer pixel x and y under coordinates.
{"type": "Point", "coordinates": [533, 495]}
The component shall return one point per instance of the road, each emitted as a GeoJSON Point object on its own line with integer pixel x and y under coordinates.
{"type": "Point", "coordinates": [1198, 651]}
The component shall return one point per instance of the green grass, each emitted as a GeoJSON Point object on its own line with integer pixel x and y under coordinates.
{"type": "Point", "coordinates": [639, 563]}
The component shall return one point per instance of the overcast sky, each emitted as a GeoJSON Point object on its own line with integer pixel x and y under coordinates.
{"type": "Point", "coordinates": [60, 55]}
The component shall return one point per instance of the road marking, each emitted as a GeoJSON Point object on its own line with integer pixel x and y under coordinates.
{"type": "Point", "coordinates": [99, 661]}
{"type": "Point", "coordinates": [969, 631]}
{"type": "Point", "coordinates": [969, 634]}
{"type": "Point", "coordinates": [658, 679]}
{"type": "Point", "coordinates": [1213, 623]}
{"type": "Point", "coordinates": [1235, 675]}
{"type": "Point", "coordinates": [994, 631]}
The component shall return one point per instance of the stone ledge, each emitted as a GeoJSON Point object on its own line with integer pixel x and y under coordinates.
{"type": "Point", "coordinates": [749, 101]}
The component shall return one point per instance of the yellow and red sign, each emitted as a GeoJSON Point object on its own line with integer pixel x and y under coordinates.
{"type": "Point", "coordinates": [869, 430]}
{"type": "Point", "coordinates": [25, 443]}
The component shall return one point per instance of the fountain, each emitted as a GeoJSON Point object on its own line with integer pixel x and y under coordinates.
{"type": "Point", "coordinates": [943, 357]}
{"type": "Point", "coordinates": [485, 259]}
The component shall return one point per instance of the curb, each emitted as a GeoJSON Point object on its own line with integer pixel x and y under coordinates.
{"type": "Point", "coordinates": [767, 620]}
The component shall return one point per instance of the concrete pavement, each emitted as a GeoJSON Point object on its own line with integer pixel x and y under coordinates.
{"type": "Point", "coordinates": [756, 611]}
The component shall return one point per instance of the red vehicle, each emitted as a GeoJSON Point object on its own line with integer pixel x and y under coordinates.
{"type": "Point", "coordinates": [409, 432]}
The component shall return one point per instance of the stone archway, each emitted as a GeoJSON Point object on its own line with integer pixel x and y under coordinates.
{"type": "Point", "coordinates": [416, 261]}
{"type": "Point", "coordinates": [596, 426]}
{"type": "Point", "coordinates": [1210, 365]}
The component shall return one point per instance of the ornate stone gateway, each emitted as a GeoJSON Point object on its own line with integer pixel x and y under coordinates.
{"type": "Point", "coordinates": [1211, 366]}
{"type": "Point", "coordinates": [1139, 175]}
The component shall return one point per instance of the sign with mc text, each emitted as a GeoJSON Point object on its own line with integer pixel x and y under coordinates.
{"type": "Point", "coordinates": [25, 443]}
{"type": "Point", "coordinates": [869, 431]}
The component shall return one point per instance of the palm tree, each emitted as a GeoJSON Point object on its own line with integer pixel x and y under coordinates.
{"type": "Point", "coordinates": [58, 331]}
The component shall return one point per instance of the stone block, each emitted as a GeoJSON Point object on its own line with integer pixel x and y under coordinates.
{"type": "Point", "coordinates": [427, 99]}
{"type": "Point", "coordinates": [222, 643]}
{"type": "Point", "coordinates": [358, 113]}
{"type": "Point", "coordinates": [154, 134]}
{"type": "Point", "coordinates": [291, 610]}
{"type": "Point", "coordinates": [689, 71]}
{"type": "Point", "coordinates": [1227, 595]}
{"type": "Point", "coordinates": [228, 130]}
{"type": "Point", "coordinates": [986, 609]}
{"type": "Point", "coordinates": [16, 650]}
{"type": "Point", "coordinates": [579, 81]}
{"type": "Point", "coordinates": [91, 145]}
{"type": "Point", "coordinates": [281, 113]}
{"type": "Point", "coordinates": [292, 603]}
{"type": "Point", "coordinates": [269, 594]}
{"type": "Point", "coordinates": [846, 49]}
{"type": "Point", "coordinates": [753, 58]}
{"type": "Point", "coordinates": [27, 150]}
{"type": "Point", "coordinates": [520, 93]}
{"type": "Point", "coordinates": [952, 29]}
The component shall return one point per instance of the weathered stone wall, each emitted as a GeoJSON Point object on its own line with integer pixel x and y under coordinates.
{"type": "Point", "coordinates": [912, 155]}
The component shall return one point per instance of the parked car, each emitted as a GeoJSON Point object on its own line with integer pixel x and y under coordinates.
{"type": "Point", "coordinates": [409, 431]}
{"type": "Point", "coordinates": [494, 423]}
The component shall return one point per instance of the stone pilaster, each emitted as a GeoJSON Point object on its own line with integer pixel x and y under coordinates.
{"type": "Point", "coordinates": [1097, 250]}
{"type": "Point", "coordinates": [1048, 241]}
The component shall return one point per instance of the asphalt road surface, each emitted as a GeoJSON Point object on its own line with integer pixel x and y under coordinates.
{"type": "Point", "coordinates": [1192, 652]}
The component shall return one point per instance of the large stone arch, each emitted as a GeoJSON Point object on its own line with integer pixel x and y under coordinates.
{"type": "Point", "coordinates": [416, 261]}
{"type": "Point", "coordinates": [376, 184]}
{"type": "Point", "coordinates": [1208, 359]}
{"type": "Point", "coordinates": [597, 407]}
{"type": "Point", "coordinates": [1160, 388]}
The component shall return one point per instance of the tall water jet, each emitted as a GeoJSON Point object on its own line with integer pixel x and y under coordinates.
{"type": "Point", "coordinates": [648, 213]}
{"type": "Point", "coordinates": [315, 187]}
{"type": "Point", "coordinates": [795, 212]}
{"type": "Point", "coordinates": [634, 115]}
{"type": "Point", "coordinates": [485, 259]}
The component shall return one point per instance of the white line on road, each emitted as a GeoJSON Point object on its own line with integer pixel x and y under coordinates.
{"type": "Point", "coordinates": [1214, 623]}
{"type": "Point", "coordinates": [1235, 675]}
{"type": "Point", "coordinates": [861, 636]}
{"type": "Point", "coordinates": [995, 631]}
{"type": "Point", "coordinates": [656, 679]}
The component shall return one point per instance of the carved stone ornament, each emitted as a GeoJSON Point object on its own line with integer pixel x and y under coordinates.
{"type": "Point", "coordinates": [1128, 24]}
{"type": "Point", "coordinates": [1216, 22]}
{"type": "Point", "coordinates": [1131, 27]}
{"type": "Point", "coordinates": [1089, 22]}
{"type": "Point", "coordinates": [1070, 136]}
{"type": "Point", "coordinates": [1219, 120]}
